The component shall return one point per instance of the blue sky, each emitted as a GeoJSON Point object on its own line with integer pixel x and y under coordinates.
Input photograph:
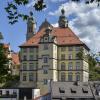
{"type": "Point", "coordinates": [84, 20]}
{"type": "Point", "coordinates": [15, 34]}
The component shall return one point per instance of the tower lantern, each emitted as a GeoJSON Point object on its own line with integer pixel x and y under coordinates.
{"type": "Point", "coordinates": [63, 22]}
{"type": "Point", "coordinates": [31, 27]}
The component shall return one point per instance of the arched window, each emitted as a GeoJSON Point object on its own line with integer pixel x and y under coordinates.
{"type": "Point", "coordinates": [77, 76]}
{"type": "Point", "coordinates": [63, 77]}
{"type": "Point", "coordinates": [63, 66]}
{"type": "Point", "coordinates": [70, 76]}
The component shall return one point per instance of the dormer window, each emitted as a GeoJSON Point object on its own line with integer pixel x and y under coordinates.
{"type": "Point", "coordinates": [46, 38]}
{"type": "Point", "coordinates": [85, 90]}
{"type": "Point", "coordinates": [73, 90]}
{"type": "Point", "coordinates": [61, 90]}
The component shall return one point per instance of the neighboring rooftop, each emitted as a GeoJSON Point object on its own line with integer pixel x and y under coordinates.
{"type": "Point", "coordinates": [15, 58]}
{"type": "Point", "coordinates": [71, 90]}
{"type": "Point", "coordinates": [6, 46]}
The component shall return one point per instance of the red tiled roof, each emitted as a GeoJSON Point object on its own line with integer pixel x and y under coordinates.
{"type": "Point", "coordinates": [64, 36]}
{"type": "Point", "coordinates": [15, 58]}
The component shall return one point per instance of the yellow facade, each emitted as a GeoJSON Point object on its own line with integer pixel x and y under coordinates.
{"type": "Point", "coordinates": [54, 61]}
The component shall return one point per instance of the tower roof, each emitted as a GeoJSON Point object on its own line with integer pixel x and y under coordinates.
{"type": "Point", "coordinates": [62, 11]}
{"type": "Point", "coordinates": [45, 24]}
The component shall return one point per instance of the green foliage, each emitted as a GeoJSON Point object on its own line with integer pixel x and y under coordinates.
{"type": "Point", "coordinates": [94, 71]}
{"type": "Point", "coordinates": [39, 5]}
{"type": "Point", "coordinates": [3, 64]}
{"type": "Point", "coordinates": [11, 81]}
{"type": "Point", "coordinates": [14, 14]}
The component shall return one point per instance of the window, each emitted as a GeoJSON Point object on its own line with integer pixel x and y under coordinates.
{"type": "Point", "coordinates": [70, 48]}
{"type": "Point", "coordinates": [63, 56]}
{"type": "Point", "coordinates": [31, 66]}
{"type": "Point", "coordinates": [77, 57]}
{"type": "Point", "coordinates": [31, 57]}
{"type": "Point", "coordinates": [70, 56]}
{"type": "Point", "coordinates": [63, 49]}
{"type": "Point", "coordinates": [45, 69]}
{"type": "Point", "coordinates": [36, 57]}
{"type": "Point", "coordinates": [70, 77]}
{"type": "Point", "coordinates": [7, 92]}
{"type": "Point", "coordinates": [45, 59]}
{"type": "Point", "coordinates": [70, 66]}
{"type": "Point", "coordinates": [46, 38]}
{"type": "Point", "coordinates": [63, 77]}
{"type": "Point", "coordinates": [24, 66]}
{"type": "Point", "coordinates": [85, 90]}
{"type": "Point", "coordinates": [77, 76]}
{"type": "Point", "coordinates": [45, 46]}
{"type": "Point", "coordinates": [77, 48]}
{"type": "Point", "coordinates": [31, 76]}
{"type": "Point", "coordinates": [0, 92]}
{"type": "Point", "coordinates": [73, 90]}
{"type": "Point", "coordinates": [62, 90]}
{"type": "Point", "coordinates": [63, 66]}
{"type": "Point", "coordinates": [77, 65]}
{"type": "Point", "coordinates": [24, 57]}
{"type": "Point", "coordinates": [45, 81]}
{"type": "Point", "coordinates": [14, 92]}
{"type": "Point", "coordinates": [24, 50]}
{"type": "Point", "coordinates": [31, 50]}
{"type": "Point", "coordinates": [24, 77]}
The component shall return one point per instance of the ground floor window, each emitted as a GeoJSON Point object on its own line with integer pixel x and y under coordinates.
{"type": "Point", "coordinates": [63, 77]}
{"type": "Point", "coordinates": [70, 77]}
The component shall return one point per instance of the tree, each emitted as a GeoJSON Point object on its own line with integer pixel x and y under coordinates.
{"type": "Point", "coordinates": [4, 69]}
{"type": "Point", "coordinates": [5, 72]}
{"type": "Point", "coordinates": [14, 15]}
{"type": "Point", "coordinates": [94, 72]}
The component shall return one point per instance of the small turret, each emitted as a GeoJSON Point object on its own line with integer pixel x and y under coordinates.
{"type": "Point", "coordinates": [31, 27]}
{"type": "Point", "coordinates": [63, 22]}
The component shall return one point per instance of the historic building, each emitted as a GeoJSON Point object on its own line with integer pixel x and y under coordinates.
{"type": "Point", "coordinates": [52, 53]}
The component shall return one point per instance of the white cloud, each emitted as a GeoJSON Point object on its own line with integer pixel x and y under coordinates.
{"type": "Point", "coordinates": [57, 0]}
{"type": "Point", "coordinates": [55, 25]}
{"type": "Point", "coordinates": [31, 3]}
{"type": "Point", "coordinates": [85, 22]}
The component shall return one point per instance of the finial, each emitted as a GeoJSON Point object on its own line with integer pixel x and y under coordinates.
{"type": "Point", "coordinates": [45, 19]}
{"type": "Point", "coordinates": [62, 11]}
{"type": "Point", "coordinates": [31, 13]}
